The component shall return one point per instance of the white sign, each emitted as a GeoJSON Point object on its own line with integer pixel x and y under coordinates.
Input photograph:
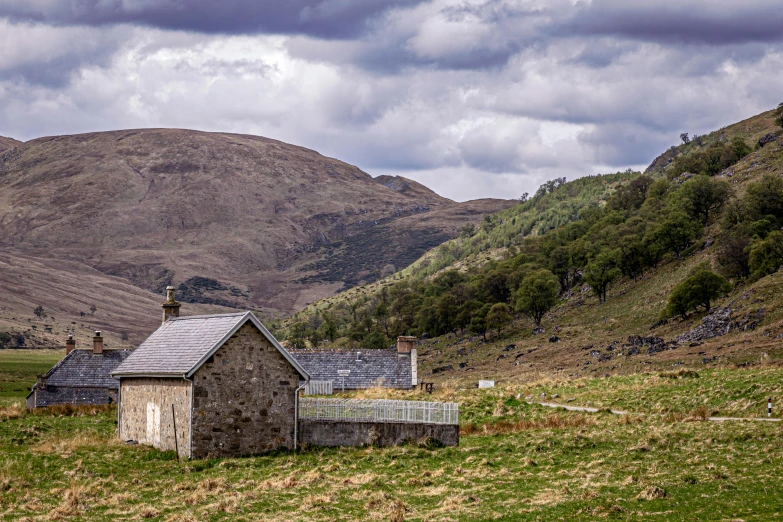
{"type": "Point", "coordinates": [343, 373]}
{"type": "Point", "coordinates": [486, 384]}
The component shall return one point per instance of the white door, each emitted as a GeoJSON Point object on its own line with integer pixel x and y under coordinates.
{"type": "Point", "coordinates": [153, 424]}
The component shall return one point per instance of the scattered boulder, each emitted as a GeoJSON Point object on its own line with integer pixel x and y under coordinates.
{"type": "Point", "coordinates": [554, 339]}
{"type": "Point", "coordinates": [538, 330]}
{"type": "Point", "coordinates": [510, 347]}
{"type": "Point", "coordinates": [769, 138]}
{"type": "Point", "coordinates": [716, 324]}
{"type": "Point", "coordinates": [441, 369]}
{"type": "Point", "coordinates": [749, 321]}
{"type": "Point", "coordinates": [463, 365]}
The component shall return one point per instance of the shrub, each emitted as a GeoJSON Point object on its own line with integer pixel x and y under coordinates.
{"type": "Point", "coordinates": [700, 289]}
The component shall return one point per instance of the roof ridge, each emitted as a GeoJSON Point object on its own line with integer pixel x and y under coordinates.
{"type": "Point", "coordinates": [210, 316]}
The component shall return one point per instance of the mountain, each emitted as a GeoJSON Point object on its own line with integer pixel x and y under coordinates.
{"type": "Point", "coordinates": [231, 220]}
{"type": "Point", "coordinates": [8, 143]}
{"type": "Point", "coordinates": [612, 249]}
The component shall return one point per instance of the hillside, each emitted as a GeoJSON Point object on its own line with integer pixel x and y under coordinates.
{"type": "Point", "coordinates": [231, 220]}
{"type": "Point", "coordinates": [8, 143]}
{"type": "Point", "coordinates": [615, 247]}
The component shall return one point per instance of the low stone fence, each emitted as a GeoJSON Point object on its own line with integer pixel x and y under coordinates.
{"type": "Point", "coordinates": [350, 433]}
{"type": "Point", "coordinates": [361, 410]}
{"type": "Point", "coordinates": [356, 422]}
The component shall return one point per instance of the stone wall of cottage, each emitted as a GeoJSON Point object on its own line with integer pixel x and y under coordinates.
{"type": "Point", "coordinates": [243, 398]}
{"type": "Point", "coordinates": [150, 409]}
{"type": "Point", "coordinates": [53, 395]}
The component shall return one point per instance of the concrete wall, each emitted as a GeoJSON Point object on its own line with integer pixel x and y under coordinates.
{"type": "Point", "coordinates": [343, 433]}
{"type": "Point", "coordinates": [146, 412]}
{"type": "Point", "coordinates": [243, 398]}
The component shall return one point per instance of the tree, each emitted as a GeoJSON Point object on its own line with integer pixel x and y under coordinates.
{"type": "Point", "coordinates": [314, 336]}
{"type": "Point", "coordinates": [704, 196]}
{"type": "Point", "coordinates": [478, 324]}
{"type": "Point", "coordinates": [779, 114]}
{"type": "Point", "coordinates": [684, 137]}
{"type": "Point", "coordinates": [447, 312]}
{"type": "Point", "coordinates": [537, 294]}
{"type": "Point", "coordinates": [600, 272]}
{"type": "Point", "coordinates": [330, 327]}
{"type": "Point", "coordinates": [297, 335]}
{"type": "Point", "coordinates": [498, 316]}
{"type": "Point", "coordinates": [375, 340]}
{"type": "Point", "coordinates": [39, 312]}
{"type": "Point", "coordinates": [93, 309]}
{"type": "Point", "coordinates": [675, 232]}
{"type": "Point", "coordinates": [700, 289]}
{"type": "Point", "coordinates": [767, 256]}
{"type": "Point", "coordinates": [733, 252]}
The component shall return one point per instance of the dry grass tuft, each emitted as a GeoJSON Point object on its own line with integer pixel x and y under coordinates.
{"type": "Point", "coordinates": [652, 493]}
{"type": "Point", "coordinates": [552, 421]}
{"type": "Point", "coordinates": [64, 446]}
{"type": "Point", "coordinates": [699, 414]}
{"type": "Point", "coordinates": [13, 411]}
{"type": "Point", "coordinates": [148, 512]}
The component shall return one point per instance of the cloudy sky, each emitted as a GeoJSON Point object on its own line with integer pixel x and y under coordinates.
{"type": "Point", "coordinates": [475, 98]}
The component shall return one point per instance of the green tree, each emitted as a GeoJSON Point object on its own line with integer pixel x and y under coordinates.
{"type": "Point", "coordinates": [446, 310]}
{"type": "Point", "coordinates": [767, 256]}
{"type": "Point", "coordinates": [39, 312]}
{"type": "Point", "coordinates": [700, 289]}
{"type": "Point", "coordinates": [499, 316]}
{"type": "Point", "coordinates": [704, 196]}
{"type": "Point", "coordinates": [297, 335]}
{"type": "Point", "coordinates": [375, 340]}
{"type": "Point", "coordinates": [537, 294]}
{"type": "Point", "coordinates": [478, 324]}
{"type": "Point", "coordinates": [601, 271]}
{"type": "Point", "coordinates": [779, 114]}
{"type": "Point", "coordinates": [675, 232]}
{"type": "Point", "coordinates": [330, 327]}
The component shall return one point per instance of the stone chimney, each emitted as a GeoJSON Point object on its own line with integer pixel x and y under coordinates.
{"type": "Point", "coordinates": [170, 306]}
{"type": "Point", "coordinates": [406, 345]}
{"type": "Point", "coordinates": [70, 344]}
{"type": "Point", "coordinates": [97, 343]}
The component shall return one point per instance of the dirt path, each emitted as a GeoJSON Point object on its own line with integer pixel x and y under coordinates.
{"type": "Point", "coordinates": [589, 409]}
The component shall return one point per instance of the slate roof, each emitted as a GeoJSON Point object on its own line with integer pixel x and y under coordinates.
{"type": "Point", "coordinates": [84, 369]}
{"type": "Point", "coordinates": [182, 344]}
{"type": "Point", "coordinates": [368, 368]}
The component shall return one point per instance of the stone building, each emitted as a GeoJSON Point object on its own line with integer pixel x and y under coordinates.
{"type": "Point", "coordinates": [359, 369]}
{"type": "Point", "coordinates": [209, 386]}
{"type": "Point", "coordinates": [81, 377]}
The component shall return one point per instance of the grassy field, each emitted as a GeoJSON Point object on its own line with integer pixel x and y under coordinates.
{"type": "Point", "coordinates": [515, 461]}
{"type": "Point", "coordinates": [18, 369]}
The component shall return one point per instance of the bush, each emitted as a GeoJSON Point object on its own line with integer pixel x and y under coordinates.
{"type": "Point", "coordinates": [700, 289]}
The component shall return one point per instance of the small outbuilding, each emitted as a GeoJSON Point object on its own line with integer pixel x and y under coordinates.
{"type": "Point", "coordinates": [360, 369]}
{"type": "Point", "coordinates": [210, 386]}
{"type": "Point", "coordinates": [81, 377]}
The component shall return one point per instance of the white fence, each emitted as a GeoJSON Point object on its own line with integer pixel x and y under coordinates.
{"type": "Point", "coordinates": [360, 410]}
{"type": "Point", "coordinates": [318, 388]}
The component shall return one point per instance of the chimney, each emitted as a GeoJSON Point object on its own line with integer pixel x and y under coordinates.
{"type": "Point", "coordinates": [70, 344]}
{"type": "Point", "coordinates": [407, 345]}
{"type": "Point", "coordinates": [41, 383]}
{"type": "Point", "coordinates": [97, 343]}
{"type": "Point", "coordinates": [170, 306]}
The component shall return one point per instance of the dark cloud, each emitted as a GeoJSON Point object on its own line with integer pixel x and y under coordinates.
{"type": "Point", "coordinates": [673, 21]}
{"type": "Point", "coordinates": [320, 18]}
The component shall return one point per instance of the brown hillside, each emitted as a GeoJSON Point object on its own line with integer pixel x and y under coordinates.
{"type": "Point", "coordinates": [230, 219]}
{"type": "Point", "coordinates": [8, 143]}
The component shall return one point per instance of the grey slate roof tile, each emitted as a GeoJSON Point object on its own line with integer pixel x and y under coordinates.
{"type": "Point", "coordinates": [83, 368]}
{"type": "Point", "coordinates": [367, 368]}
{"type": "Point", "coordinates": [179, 344]}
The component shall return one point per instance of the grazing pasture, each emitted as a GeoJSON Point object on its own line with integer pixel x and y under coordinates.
{"type": "Point", "coordinates": [516, 461]}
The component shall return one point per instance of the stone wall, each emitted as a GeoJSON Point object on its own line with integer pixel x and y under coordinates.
{"type": "Point", "coordinates": [146, 414]}
{"type": "Point", "coordinates": [344, 433]}
{"type": "Point", "coordinates": [54, 395]}
{"type": "Point", "coordinates": [243, 398]}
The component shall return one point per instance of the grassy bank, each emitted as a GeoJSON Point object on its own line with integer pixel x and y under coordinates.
{"type": "Point", "coordinates": [515, 462]}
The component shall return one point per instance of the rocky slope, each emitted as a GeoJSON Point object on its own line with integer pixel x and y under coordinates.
{"type": "Point", "coordinates": [232, 220]}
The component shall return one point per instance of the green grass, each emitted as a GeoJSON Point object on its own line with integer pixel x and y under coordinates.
{"type": "Point", "coordinates": [515, 461]}
{"type": "Point", "coordinates": [18, 370]}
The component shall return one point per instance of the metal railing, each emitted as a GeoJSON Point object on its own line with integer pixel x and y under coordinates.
{"type": "Point", "coordinates": [365, 410]}
{"type": "Point", "coordinates": [318, 388]}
